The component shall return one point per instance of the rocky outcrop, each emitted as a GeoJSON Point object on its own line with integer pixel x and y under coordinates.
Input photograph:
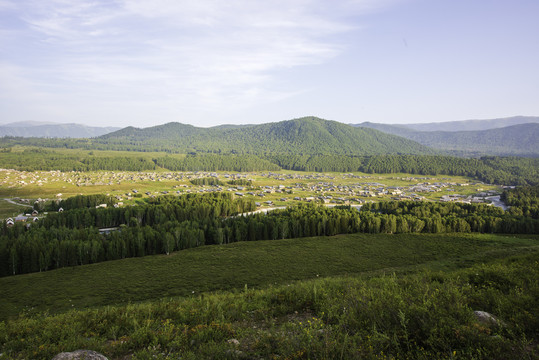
{"type": "Point", "coordinates": [487, 319]}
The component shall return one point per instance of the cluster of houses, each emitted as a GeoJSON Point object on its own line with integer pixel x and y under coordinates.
{"type": "Point", "coordinates": [15, 178]}
{"type": "Point", "coordinates": [26, 218]}
{"type": "Point", "coordinates": [319, 187]}
{"type": "Point", "coordinates": [478, 198]}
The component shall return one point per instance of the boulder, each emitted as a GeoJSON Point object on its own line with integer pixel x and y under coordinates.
{"type": "Point", "coordinates": [80, 355]}
{"type": "Point", "coordinates": [486, 319]}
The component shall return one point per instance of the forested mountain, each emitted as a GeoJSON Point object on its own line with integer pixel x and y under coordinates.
{"type": "Point", "coordinates": [512, 140]}
{"type": "Point", "coordinates": [304, 136]}
{"type": "Point", "coordinates": [520, 140]}
{"type": "Point", "coordinates": [464, 125]}
{"type": "Point", "coordinates": [37, 129]}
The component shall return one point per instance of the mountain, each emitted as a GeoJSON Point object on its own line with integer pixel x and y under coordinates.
{"type": "Point", "coordinates": [29, 123]}
{"type": "Point", "coordinates": [53, 130]}
{"type": "Point", "coordinates": [464, 125]}
{"type": "Point", "coordinates": [515, 140]}
{"type": "Point", "coordinates": [309, 135]}
{"type": "Point", "coordinates": [474, 125]}
{"type": "Point", "coordinates": [394, 129]}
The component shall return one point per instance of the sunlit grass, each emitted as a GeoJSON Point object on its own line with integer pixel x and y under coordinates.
{"type": "Point", "coordinates": [255, 264]}
{"type": "Point", "coordinates": [389, 315]}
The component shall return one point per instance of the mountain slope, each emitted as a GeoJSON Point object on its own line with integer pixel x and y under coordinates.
{"type": "Point", "coordinates": [35, 129]}
{"type": "Point", "coordinates": [519, 140]}
{"type": "Point", "coordinates": [474, 125]}
{"type": "Point", "coordinates": [512, 140]}
{"type": "Point", "coordinates": [300, 136]}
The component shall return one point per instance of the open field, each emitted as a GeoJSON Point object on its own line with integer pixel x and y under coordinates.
{"type": "Point", "coordinates": [9, 209]}
{"type": "Point", "coordinates": [251, 264]}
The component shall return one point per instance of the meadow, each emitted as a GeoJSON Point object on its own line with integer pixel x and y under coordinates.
{"type": "Point", "coordinates": [349, 296]}
{"type": "Point", "coordinates": [251, 264]}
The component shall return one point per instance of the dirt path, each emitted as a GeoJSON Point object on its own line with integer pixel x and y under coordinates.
{"type": "Point", "coordinates": [16, 203]}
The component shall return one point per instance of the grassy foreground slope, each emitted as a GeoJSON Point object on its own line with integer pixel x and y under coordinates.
{"type": "Point", "coordinates": [425, 314]}
{"type": "Point", "coordinates": [255, 264]}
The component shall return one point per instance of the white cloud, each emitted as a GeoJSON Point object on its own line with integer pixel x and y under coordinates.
{"type": "Point", "coordinates": [190, 53]}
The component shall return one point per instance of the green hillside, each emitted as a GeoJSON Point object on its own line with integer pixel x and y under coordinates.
{"type": "Point", "coordinates": [304, 136]}
{"type": "Point", "coordinates": [257, 264]}
{"type": "Point", "coordinates": [395, 296]}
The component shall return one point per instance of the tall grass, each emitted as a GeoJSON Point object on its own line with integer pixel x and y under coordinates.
{"type": "Point", "coordinates": [424, 315]}
{"type": "Point", "coordinates": [257, 264]}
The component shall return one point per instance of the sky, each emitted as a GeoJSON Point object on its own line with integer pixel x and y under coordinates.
{"type": "Point", "coordinates": [209, 62]}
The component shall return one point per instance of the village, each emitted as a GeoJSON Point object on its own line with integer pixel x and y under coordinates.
{"type": "Point", "coordinates": [269, 189]}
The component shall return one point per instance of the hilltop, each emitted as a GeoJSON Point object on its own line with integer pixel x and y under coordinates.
{"type": "Point", "coordinates": [308, 135]}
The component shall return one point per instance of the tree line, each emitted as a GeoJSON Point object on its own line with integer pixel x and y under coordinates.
{"type": "Point", "coordinates": [167, 224]}
{"type": "Point", "coordinates": [490, 169]}
{"type": "Point", "coordinates": [46, 160]}
{"type": "Point", "coordinates": [523, 201]}
{"type": "Point", "coordinates": [216, 162]}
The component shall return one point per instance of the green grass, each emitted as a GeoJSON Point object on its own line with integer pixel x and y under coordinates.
{"type": "Point", "coordinates": [421, 315]}
{"type": "Point", "coordinates": [8, 209]}
{"type": "Point", "coordinates": [255, 264]}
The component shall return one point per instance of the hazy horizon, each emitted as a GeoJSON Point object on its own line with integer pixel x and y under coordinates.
{"type": "Point", "coordinates": [207, 63]}
{"type": "Point", "coordinates": [39, 123]}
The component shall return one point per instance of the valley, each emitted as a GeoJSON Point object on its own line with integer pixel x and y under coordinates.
{"type": "Point", "coordinates": [221, 249]}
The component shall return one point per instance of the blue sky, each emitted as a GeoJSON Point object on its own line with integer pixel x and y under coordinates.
{"type": "Point", "coordinates": [210, 62]}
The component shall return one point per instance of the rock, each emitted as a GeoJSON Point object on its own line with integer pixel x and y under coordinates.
{"type": "Point", "coordinates": [80, 355]}
{"type": "Point", "coordinates": [486, 319]}
{"type": "Point", "coordinates": [234, 342]}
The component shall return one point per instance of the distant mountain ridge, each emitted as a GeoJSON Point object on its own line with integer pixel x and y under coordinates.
{"type": "Point", "coordinates": [473, 125]}
{"type": "Point", "coordinates": [308, 135]}
{"type": "Point", "coordinates": [461, 125]}
{"type": "Point", "coordinates": [53, 130]}
{"type": "Point", "coordinates": [513, 140]}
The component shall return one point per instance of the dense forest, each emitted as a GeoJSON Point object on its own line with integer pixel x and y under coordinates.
{"type": "Point", "coordinates": [169, 223]}
{"type": "Point", "coordinates": [299, 136]}
{"type": "Point", "coordinates": [490, 169]}
{"type": "Point", "coordinates": [40, 159]}
{"type": "Point", "coordinates": [209, 162]}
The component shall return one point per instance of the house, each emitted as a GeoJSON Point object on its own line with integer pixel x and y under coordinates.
{"type": "Point", "coordinates": [35, 213]}
{"type": "Point", "coordinates": [10, 222]}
